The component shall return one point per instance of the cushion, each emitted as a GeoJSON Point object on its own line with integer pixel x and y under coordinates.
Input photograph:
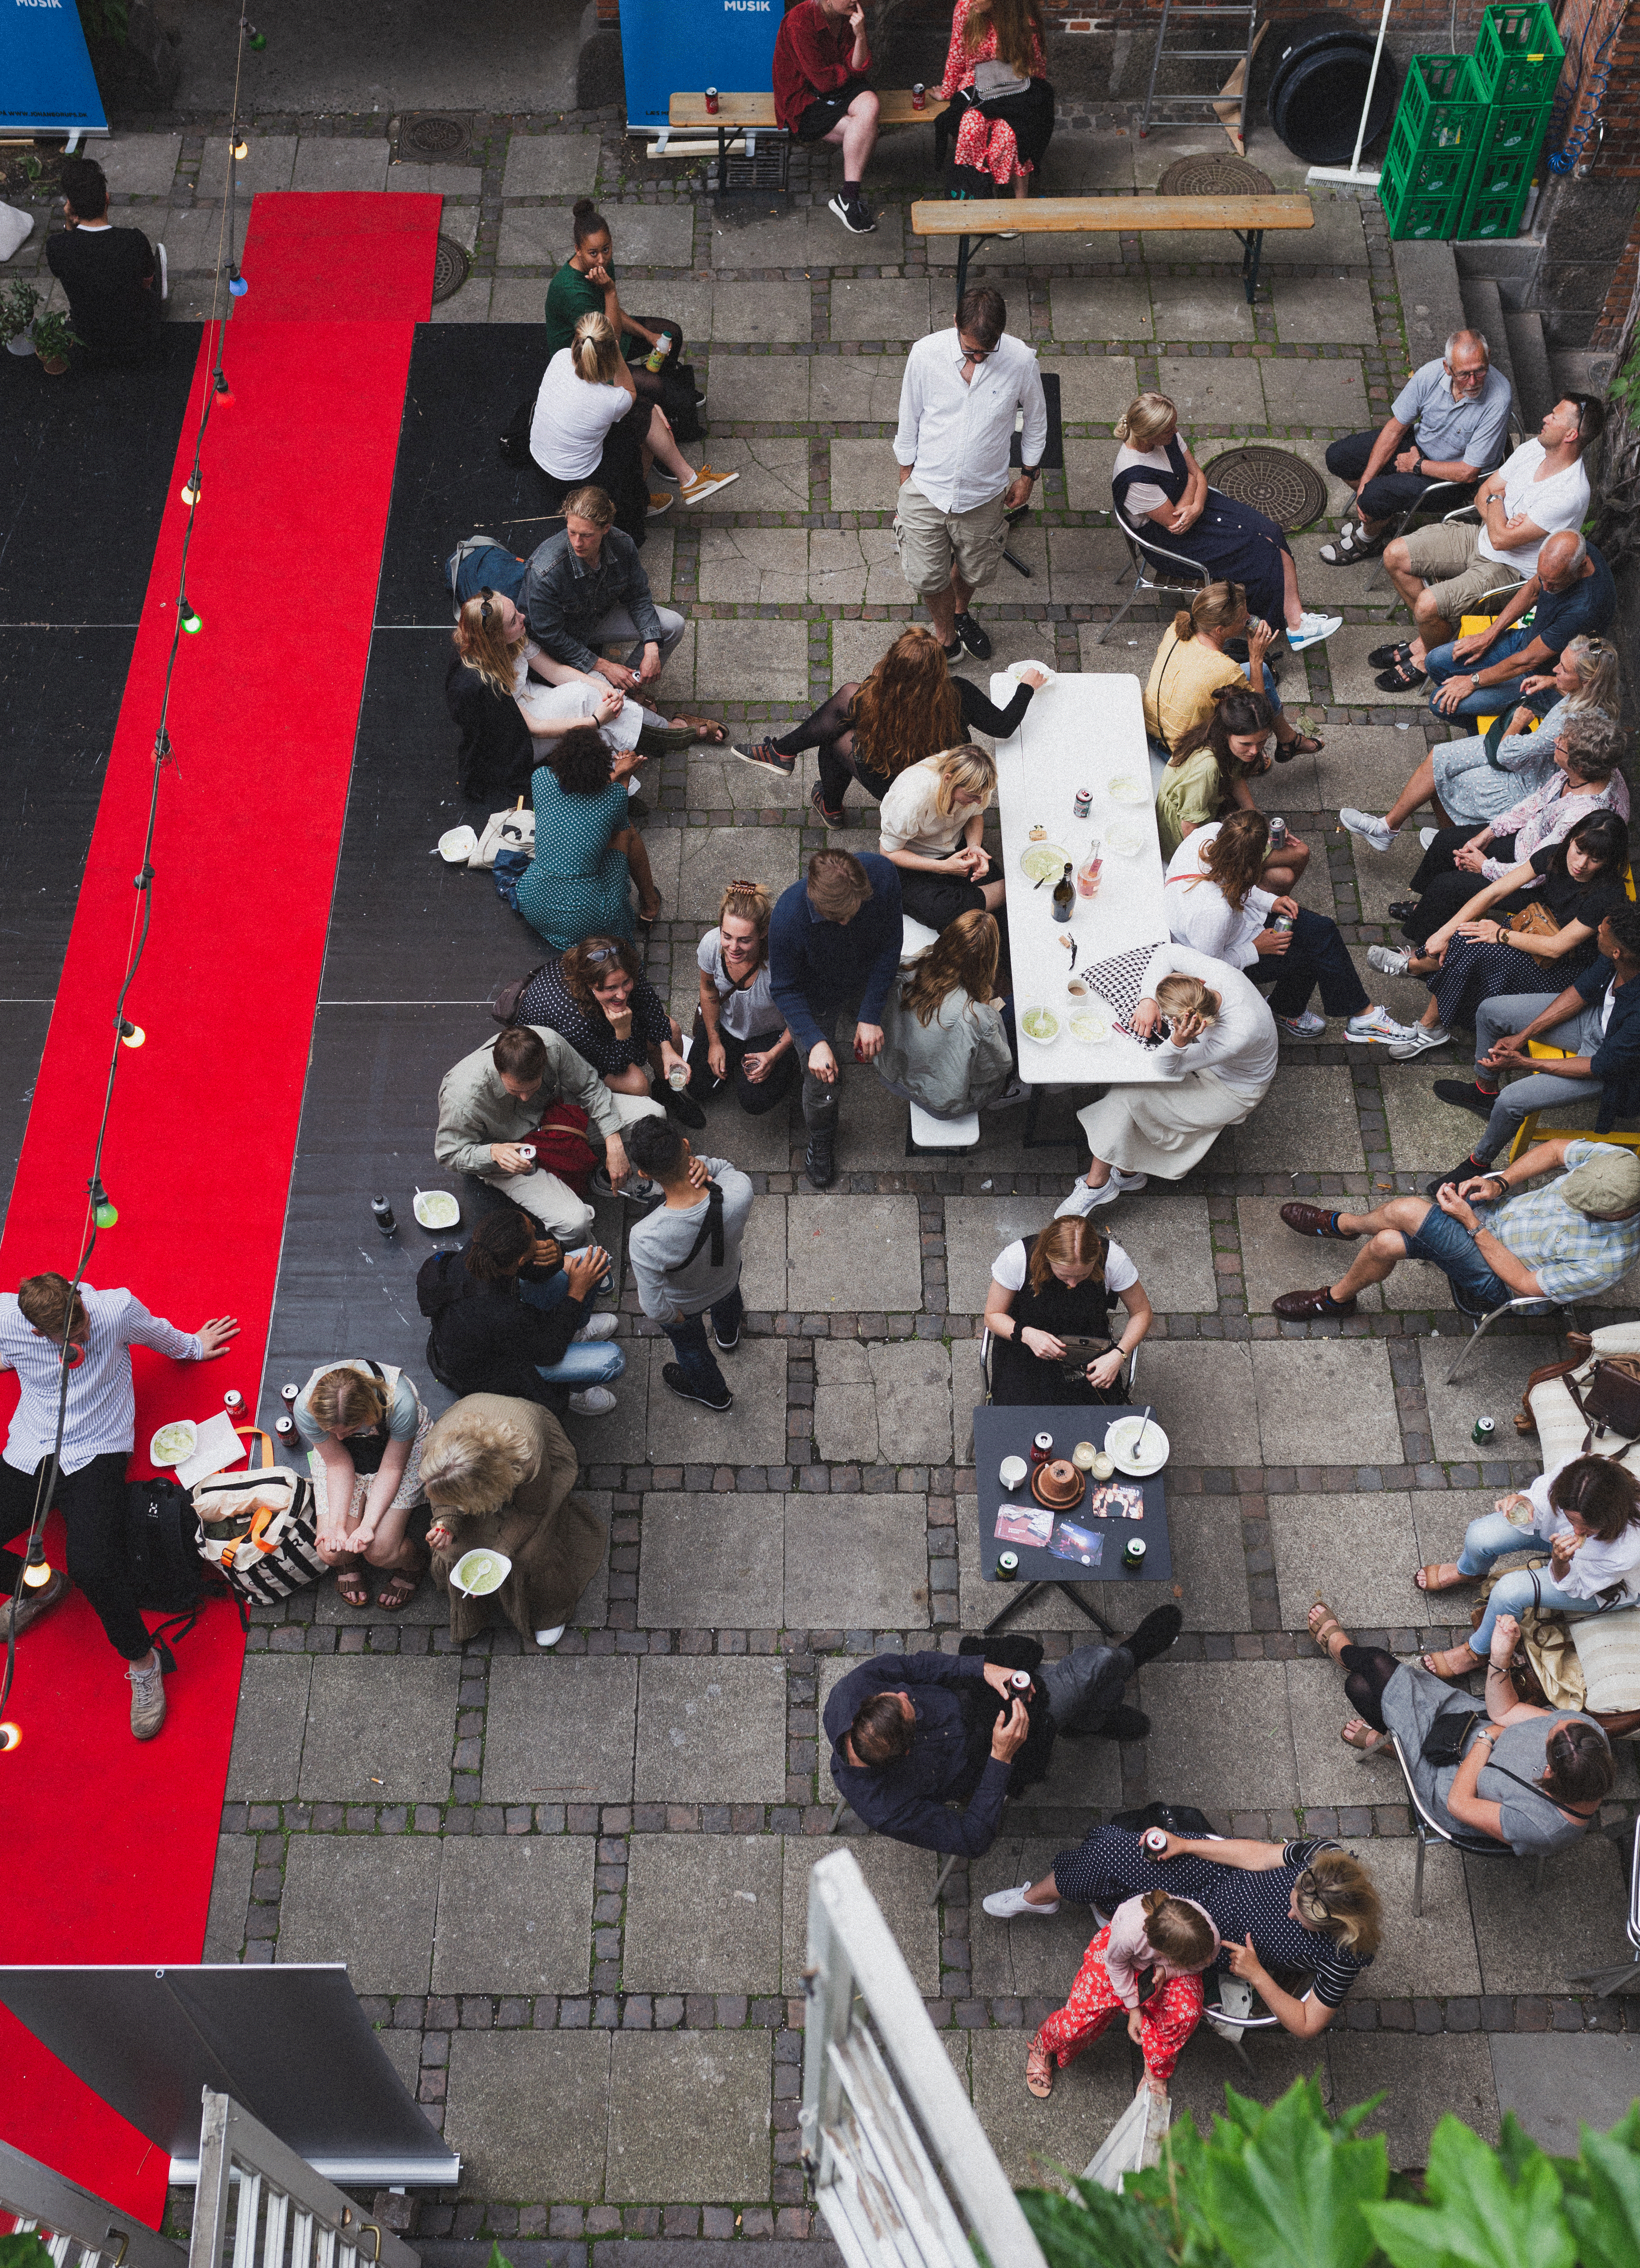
{"type": "Point", "coordinates": [15, 228]}
{"type": "Point", "coordinates": [1609, 1648]}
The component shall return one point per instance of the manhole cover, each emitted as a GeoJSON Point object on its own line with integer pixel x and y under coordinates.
{"type": "Point", "coordinates": [431, 136]}
{"type": "Point", "coordinates": [1211, 176]}
{"type": "Point", "coordinates": [450, 269]}
{"type": "Point", "coordinates": [1273, 482]}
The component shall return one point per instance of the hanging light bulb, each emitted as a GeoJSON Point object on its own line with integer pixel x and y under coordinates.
{"type": "Point", "coordinates": [222, 394]}
{"type": "Point", "coordinates": [104, 1211]}
{"type": "Point", "coordinates": [190, 490]}
{"type": "Point", "coordinates": [10, 1737]}
{"type": "Point", "coordinates": [237, 285]}
{"type": "Point", "coordinates": [258, 39]}
{"type": "Point", "coordinates": [132, 1036]}
{"type": "Point", "coordinates": [37, 1572]}
{"type": "Point", "coordinates": [190, 621]}
{"type": "Point", "coordinates": [239, 146]}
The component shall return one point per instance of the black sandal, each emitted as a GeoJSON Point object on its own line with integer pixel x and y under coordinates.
{"type": "Point", "coordinates": [1302, 744]}
{"type": "Point", "coordinates": [1406, 677]}
{"type": "Point", "coordinates": [1388, 657]}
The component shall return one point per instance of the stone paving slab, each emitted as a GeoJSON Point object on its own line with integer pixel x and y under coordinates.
{"type": "Point", "coordinates": [369, 1900]}
{"type": "Point", "coordinates": [729, 1887]}
{"type": "Point", "coordinates": [560, 1730]}
{"type": "Point", "coordinates": [856, 1563]}
{"type": "Point", "coordinates": [497, 2083]}
{"type": "Point", "coordinates": [1210, 394]}
{"type": "Point", "coordinates": [712, 1561]}
{"type": "Point", "coordinates": [1321, 1130]}
{"type": "Point", "coordinates": [514, 1914]}
{"type": "Point", "coordinates": [230, 1896]}
{"type": "Point", "coordinates": [1101, 307]}
{"type": "Point", "coordinates": [333, 162]}
{"type": "Point", "coordinates": [653, 1423]}
{"type": "Point", "coordinates": [268, 1730]}
{"type": "Point", "coordinates": [558, 165]}
{"type": "Point", "coordinates": [882, 1405]}
{"type": "Point", "coordinates": [761, 311]}
{"type": "Point", "coordinates": [1447, 2074]}
{"type": "Point", "coordinates": [379, 1731]}
{"type": "Point", "coordinates": [1347, 1386]}
{"type": "Point", "coordinates": [1554, 2085]}
{"type": "Point", "coordinates": [1581, 1887]}
{"type": "Point", "coordinates": [1322, 310]}
{"type": "Point", "coordinates": [269, 164]}
{"type": "Point", "coordinates": [1219, 1733]}
{"type": "Point", "coordinates": [139, 164]}
{"type": "Point", "coordinates": [1355, 1551]}
{"type": "Point", "coordinates": [1034, 2139]}
{"type": "Point", "coordinates": [900, 1879]}
{"type": "Point", "coordinates": [883, 1261]}
{"type": "Point", "coordinates": [1491, 1383]}
{"type": "Point", "coordinates": [694, 2099]}
{"type": "Point", "coordinates": [711, 1731]}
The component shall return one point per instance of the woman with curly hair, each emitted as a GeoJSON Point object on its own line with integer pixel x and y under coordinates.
{"type": "Point", "coordinates": [946, 1044]}
{"type": "Point", "coordinates": [498, 1475]}
{"type": "Point", "coordinates": [1048, 1311]}
{"type": "Point", "coordinates": [1208, 776]}
{"type": "Point", "coordinates": [586, 849]}
{"type": "Point", "coordinates": [597, 997]}
{"type": "Point", "coordinates": [908, 708]}
{"type": "Point", "coordinates": [997, 81]}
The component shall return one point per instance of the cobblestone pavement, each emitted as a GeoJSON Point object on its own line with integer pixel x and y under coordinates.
{"type": "Point", "coordinates": [572, 1889]}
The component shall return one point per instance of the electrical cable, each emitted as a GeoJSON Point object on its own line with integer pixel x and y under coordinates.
{"type": "Point", "coordinates": [141, 913]}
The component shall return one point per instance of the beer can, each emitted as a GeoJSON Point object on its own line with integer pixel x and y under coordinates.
{"type": "Point", "coordinates": [919, 95]}
{"type": "Point", "coordinates": [1278, 834]}
{"type": "Point", "coordinates": [1482, 1435]}
{"type": "Point", "coordinates": [1007, 1566]}
{"type": "Point", "coordinates": [286, 1428]}
{"type": "Point", "coordinates": [233, 1403]}
{"type": "Point", "coordinates": [712, 101]}
{"type": "Point", "coordinates": [1042, 1448]}
{"type": "Point", "coordinates": [1282, 924]}
{"type": "Point", "coordinates": [289, 1395]}
{"type": "Point", "coordinates": [1020, 1681]}
{"type": "Point", "coordinates": [527, 1150]}
{"type": "Point", "coordinates": [1154, 1841]}
{"type": "Point", "coordinates": [1083, 803]}
{"type": "Point", "coordinates": [1134, 1551]}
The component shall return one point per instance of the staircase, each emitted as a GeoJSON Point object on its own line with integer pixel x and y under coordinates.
{"type": "Point", "coordinates": [1492, 306]}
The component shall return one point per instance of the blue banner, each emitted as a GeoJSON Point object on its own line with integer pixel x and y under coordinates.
{"type": "Point", "coordinates": [47, 84]}
{"type": "Point", "coordinates": [682, 47]}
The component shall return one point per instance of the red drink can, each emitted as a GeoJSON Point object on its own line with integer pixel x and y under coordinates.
{"type": "Point", "coordinates": [1042, 1448]}
{"type": "Point", "coordinates": [712, 101]}
{"type": "Point", "coordinates": [919, 95]}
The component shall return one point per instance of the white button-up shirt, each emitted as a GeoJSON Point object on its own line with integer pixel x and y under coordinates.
{"type": "Point", "coordinates": [101, 1416]}
{"type": "Point", "coordinates": [956, 436]}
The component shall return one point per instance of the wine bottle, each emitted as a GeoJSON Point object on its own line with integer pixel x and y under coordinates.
{"type": "Point", "coordinates": [1064, 895]}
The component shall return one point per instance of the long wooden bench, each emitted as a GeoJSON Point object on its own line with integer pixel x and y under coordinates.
{"type": "Point", "coordinates": [972, 219]}
{"type": "Point", "coordinates": [753, 114]}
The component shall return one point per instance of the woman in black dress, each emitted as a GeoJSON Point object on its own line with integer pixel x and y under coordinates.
{"type": "Point", "coordinates": [910, 707]}
{"type": "Point", "coordinates": [1045, 1299]}
{"type": "Point", "coordinates": [597, 997]}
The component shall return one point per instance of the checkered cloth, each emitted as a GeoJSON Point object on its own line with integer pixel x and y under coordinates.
{"type": "Point", "coordinates": [1119, 979]}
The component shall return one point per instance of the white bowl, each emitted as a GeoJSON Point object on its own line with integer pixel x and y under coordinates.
{"type": "Point", "coordinates": [456, 845]}
{"type": "Point", "coordinates": [436, 1209]}
{"type": "Point", "coordinates": [1016, 671]}
{"type": "Point", "coordinates": [480, 1572]}
{"type": "Point", "coordinates": [1119, 1437]}
{"type": "Point", "coordinates": [1125, 839]}
{"type": "Point", "coordinates": [173, 1444]}
{"type": "Point", "coordinates": [1041, 1038]}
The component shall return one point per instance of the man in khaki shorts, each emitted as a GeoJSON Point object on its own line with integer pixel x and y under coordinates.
{"type": "Point", "coordinates": [958, 400]}
{"type": "Point", "coordinates": [1444, 571]}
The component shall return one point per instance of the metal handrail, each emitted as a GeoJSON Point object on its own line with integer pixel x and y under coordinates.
{"type": "Point", "coordinates": [260, 2206]}
{"type": "Point", "coordinates": [68, 2217]}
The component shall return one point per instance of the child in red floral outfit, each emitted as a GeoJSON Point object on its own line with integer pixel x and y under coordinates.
{"type": "Point", "coordinates": [1148, 1960]}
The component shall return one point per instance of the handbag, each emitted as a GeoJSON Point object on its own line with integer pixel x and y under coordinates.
{"type": "Point", "coordinates": [1079, 1352]}
{"type": "Point", "coordinates": [1610, 1397]}
{"type": "Point", "coordinates": [259, 1528]}
{"type": "Point", "coordinates": [1535, 920]}
{"type": "Point", "coordinates": [564, 1146]}
{"type": "Point", "coordinates": [504, 830]}
{"type": "Point", "coordinates": [1444, 1742]}
{"type": "Point", "coordinates": [505, 1006]}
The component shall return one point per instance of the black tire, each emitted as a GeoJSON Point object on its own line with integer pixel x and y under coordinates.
{"type": "Point", "coordinates": [1309, 33]}
{"type": "Point", "coordinates": [1317, 91]}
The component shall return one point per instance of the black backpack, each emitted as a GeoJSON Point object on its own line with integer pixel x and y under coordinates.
{"type": "Point", "coordinates": [162, 1546]}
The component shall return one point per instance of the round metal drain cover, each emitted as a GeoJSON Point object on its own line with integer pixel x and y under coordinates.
{"type": "Point", "coordinates": [1209, 175]}
{"type": "Point", "coordinates": [430, 136]}
{"type": "Point", "coordinates": [450, 269]}
{"type": "Point", "coordinates": [1273, 482]}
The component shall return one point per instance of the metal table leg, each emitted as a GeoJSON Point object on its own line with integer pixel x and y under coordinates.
{"type": "Point", "coordinates": [1253, 252]}
{"type": "Point", "coordinates": [723, 161]}
{"type": "Point", "coordinates": [965, 246]}
{"type": "Point", "coordinates": [1029, 1591]}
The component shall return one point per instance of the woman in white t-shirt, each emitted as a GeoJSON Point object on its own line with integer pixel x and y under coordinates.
{"type": "Point", "coordinates": [931, 819]}
{"type": "Point", "coordinates": [492, 638]}
{"type": "Point", "coordinates": [1048, 1308]}
{"type": "Point", "coordinates": [740, 1036]}
{"type": "Point", "coordinates": [591, 425]}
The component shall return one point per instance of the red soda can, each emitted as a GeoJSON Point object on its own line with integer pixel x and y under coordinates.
{"type": "Point", "coordinates": [919, 95]}
{"type": "Point", "coordinates": [1041, 1448]}
{"type": "Point", "coordinates": [712, 101]}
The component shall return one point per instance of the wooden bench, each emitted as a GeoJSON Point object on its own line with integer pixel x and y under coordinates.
{"type": "Point", "coordinates": [752, 115]}
{"type": "Point", "coordinates": [972, 219]}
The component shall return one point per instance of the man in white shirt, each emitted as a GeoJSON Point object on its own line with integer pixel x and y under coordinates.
{"type": "Point", "coordinates": [1443, 571]}
{"type": "Point", "coordinates": [99, 1430]}
{"type": "Point", "coordinates": [958, 398]}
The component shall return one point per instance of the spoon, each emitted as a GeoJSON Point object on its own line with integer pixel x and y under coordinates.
{"type": "Point", "coordinates": [1138, 1441]}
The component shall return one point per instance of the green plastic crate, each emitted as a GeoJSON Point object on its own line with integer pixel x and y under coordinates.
{"type": "Point", "coordinates": [1443, 104]}
{"type": "Point", "coordinates": [1490, 217]}
{"type": "Point", "coordinates": [1412, 214]}
{"type": "Point", "coordinates": [1518, 54]}
{"type": "Point", "coordinates": [1495, 177]}
{"type": "Point", "coordinates": [1516, 129]}
{"type": "Point", "coordinates": [1428, 172]}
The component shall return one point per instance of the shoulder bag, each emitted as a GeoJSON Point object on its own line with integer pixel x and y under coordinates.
{"type": "Point", "coordinates": [1535, 920]}
{"type": "Point", "coordinates": [1610, 1397]}
{"type": "Point", "coordinates": [258, 1529]}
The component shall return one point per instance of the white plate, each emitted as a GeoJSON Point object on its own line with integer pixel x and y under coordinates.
{"type": "Point", "coordinates": [1087, 1025]}
{"type": "Point", "coordinates": [1039, 860]}
{"type": "Point", "coordinates": [436, 1209]}
{"type": "Point", "coordinates": [1123, 1432]}
{"type": "Point", "coordinates": [1043, 1039]}
{"type": "Point", "coordinates": [1125, 788]}
{"type": "Point", "coordinates": [1016, 671]}
{"type": "Point", "coordinates": [1124, 839]}
{"type": "Point", "coordinates": [173, 1444]}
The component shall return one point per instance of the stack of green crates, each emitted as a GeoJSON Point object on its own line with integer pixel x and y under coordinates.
{"type": "Point", "coordinates": [1519, 58]}
{"type": "Point", "coordinates": [1438, 128]}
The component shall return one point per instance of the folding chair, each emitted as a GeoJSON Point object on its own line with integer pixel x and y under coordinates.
{"type": "Point", "coordinates": [1429, 1830]}
{"type": "Point", "coordinates": [1604, 1982]}
{"type": "Point", "coordinates": [1531, 1304]}
{"type": "Point", "coordinates": [1145, 553]}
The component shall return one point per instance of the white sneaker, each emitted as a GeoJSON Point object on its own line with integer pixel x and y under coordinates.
{"type": "Point", "coordinates": [1427, 835]}
{"type": "Point", "coordinates": [1308, 1025]}
{"type": "Point", "coordinates": [550, 1637]}
{"type": "Point", "coordinates": [1378, 832]}
{"type": "Point", "coordinates": [1312, 628]}
{"type": "Point", "coordinates": [1377, 1023]}
{"type": "Point", "coordinates": [596, 1327]}
{"type": "Point", "coordinates": [1006, 1903]}
{"type": "Point", "coordinates": [591, 1401]}
{"type": "Point", "coordinates": [1389, 960]}
{"type": "Point", "coordinates": [1083, 1200]}
{"type": "Point", "coordinates": [1419, 1040]}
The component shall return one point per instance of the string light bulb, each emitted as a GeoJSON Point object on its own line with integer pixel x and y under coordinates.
{"type": "Point", "coordinates": [189, 618]}
{"type": "Point", "coordinates": [222, 393]}
{"type": "Point", "coordinates": [237, 285]}
{"type": "Point", "coordinates": [241, 146]}
{"type": "Point", "coordinates": [258, 39]}
{"type": "Point", "coordinates": [10, 1737]}
{"type": "Point", "coordinates": [104, 1211]}
{"type": "Point", "coordinates": [190, 490]}
{"type": "Point", "coordinates": [132, 1036]}
{"type": "Point", "coordinates": [37, 1572]}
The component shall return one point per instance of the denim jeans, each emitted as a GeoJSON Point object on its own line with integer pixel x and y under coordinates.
{"type": "Point", "coordinates": [693, 1350]}
{"type": "Point", "coordinates": [557, 1287]}
{"type": "Point", "coordinates": [588, 1362]}
{"type": "Point", "coordinates": [1545, 1090]}
{"type": "Point", "coordinates": [1317, 955]}
{"type": "Point", "coordinates": [1486, 700]}
{"type": "Point", "coordinates": [1447, 1245]}
{"type": "Point", "coordinates": [1494, 1538]}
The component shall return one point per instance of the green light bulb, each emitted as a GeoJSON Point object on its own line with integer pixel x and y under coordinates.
{"type": "Point", "coordinates": [191, 622]}
{"type": "Point", "coordinates": [106, 1214]}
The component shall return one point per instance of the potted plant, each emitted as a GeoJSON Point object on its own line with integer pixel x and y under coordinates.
{"type": "Point", "coordinates": [54, 335]}
{"type": "Point", "coordinates": [17, 304]}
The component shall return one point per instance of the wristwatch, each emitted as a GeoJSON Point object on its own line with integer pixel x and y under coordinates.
{"type": "Point", "coordinates": [1030, 471]}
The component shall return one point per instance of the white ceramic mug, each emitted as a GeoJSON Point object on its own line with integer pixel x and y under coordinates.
{"type": "Point", "coordinates": [1012, 1471]}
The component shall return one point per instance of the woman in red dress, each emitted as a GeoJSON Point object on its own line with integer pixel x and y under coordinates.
{"type": "Point", "coordinates": [996, 81]}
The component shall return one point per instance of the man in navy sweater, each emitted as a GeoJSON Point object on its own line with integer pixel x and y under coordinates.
{"type": "Point", "coordinates": [834, 938]}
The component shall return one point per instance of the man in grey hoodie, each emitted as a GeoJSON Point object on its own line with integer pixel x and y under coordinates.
{"type": "Point", "coordinates": [685, 1256]}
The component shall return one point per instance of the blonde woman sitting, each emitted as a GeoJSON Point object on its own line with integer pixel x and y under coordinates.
{"type": "Point", "coordinates": [946, 1044]}
{"type": "Point", "coordinates": [591, 425]}
{"type": "Point", "coordinates": [1191, 664]}
{"type": "Point", "coordinates": [1215, 1048]}
{"type": "Point", "coordinates": [499, 1473]}
{"type": "Point", "coordinates": [931, 819]}
{"type": "Point", "coordinates": [363, 1424]}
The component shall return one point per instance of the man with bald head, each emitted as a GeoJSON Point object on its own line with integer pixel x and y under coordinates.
{"type": "Point", "coordinates": [1444, 571]}
{"type": "Point", "coordinates": [1450, 422]}
{"type": "Point", "coordinates": [1575, 597]}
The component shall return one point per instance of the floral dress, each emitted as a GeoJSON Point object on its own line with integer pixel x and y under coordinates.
{"type": "Point", "coordinates": [1166, 2019]}
{"type": "Point", "coordinates": [985, 144]}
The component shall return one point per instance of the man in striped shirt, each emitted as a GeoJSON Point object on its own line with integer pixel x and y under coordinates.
{"type": "Point", "coordinates": [100, 1427]}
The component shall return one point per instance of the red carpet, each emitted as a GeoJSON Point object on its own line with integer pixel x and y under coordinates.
{"type": "Point", "coordinates": [110, 1845]}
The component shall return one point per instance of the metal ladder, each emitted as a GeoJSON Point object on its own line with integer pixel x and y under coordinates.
{"type": "Point", "coordinates": [1227, 12]}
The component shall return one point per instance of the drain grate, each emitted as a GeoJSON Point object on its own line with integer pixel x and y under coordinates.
{"type": "Point", "coordinates": [1209, 174]}
{"type": "Point", "coordinates": [431, 134]}
{"type": "Point", "coordinates": [1273, 481]}
{"type": "Point", "coordinates": [451, 267]}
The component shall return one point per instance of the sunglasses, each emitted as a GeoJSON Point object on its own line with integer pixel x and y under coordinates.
{"type": "Point", "coordinates": [1310, 1892]}
{"type": "Point", "coordinates": [486, 607]}
{"type": "Point", "coordinates": [604, 953]}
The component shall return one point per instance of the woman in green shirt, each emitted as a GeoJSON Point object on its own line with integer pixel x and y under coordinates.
{"type": "Point", "coordinates": [585, 286]}
{"type": "Point", "coordinates": [1207, 778]}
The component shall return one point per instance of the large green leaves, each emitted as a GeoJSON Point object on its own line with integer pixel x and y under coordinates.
{"type": "Point", "coordinates": [1478, 2216]}
{"type": "Point", "coordinates": [1289, 2192]}
{"type": "Point", "coordinates": [1101, 2231]}
{"type": "Point", "coordinates": [1606, 2219]}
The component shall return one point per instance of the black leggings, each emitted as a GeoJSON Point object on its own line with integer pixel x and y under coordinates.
{"type": "Point", "coordinates": [755, 1097]}
{"type": "Point", "coordinates": [830, 729]}
{"type": "Point", "coordinates": [1442, 886]}
{"type": "Point", "coordinates": [1367, 1669]}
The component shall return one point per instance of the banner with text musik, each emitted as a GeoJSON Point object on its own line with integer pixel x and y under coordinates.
{"type": "Point", "coordinates": [682, 47]}
{"type": "Point", "coordinates": [47, 84]}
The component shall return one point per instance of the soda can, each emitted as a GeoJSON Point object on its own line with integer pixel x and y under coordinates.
{"type": "Point", "coordinates": [918, 94]}
{"type": "Point", "coordinates": [527, 1150]}
{"type": "Point", "coordinates": [233, 1403]}
{"type": "Point", "coordinates": [1155, 1841]}
{"type": "Point", "coordinates": [1482, 1435]}
{"type": "Point", "coordinates": [289, 1395]}
{"type": "Point", "coordinates": [1134, 1551]}
{"type": "Point", "coordinates": [286, 1428]}
{"type": "Point", "coordinates": [1083, 803]}
{"type": "Point", "coordinates": [1007, 1566]}
{"type": "Point", "coordinates": [1042, 1448]}
{"type": "Point", "coordinates": [1282, 924]}
{"type": "Point", "coordinates": [1020, 1680]}
{"type": "Point", "coordinates": [1278, 834]}
{"type": "Point", "coordinates": [712, 101]}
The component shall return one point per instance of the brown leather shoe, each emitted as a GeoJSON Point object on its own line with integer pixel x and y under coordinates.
{"type": "Point", "coordinates": [34, 1604]}
{"type": "Point", "coordinates": [1314, 1220]}
{"type": "Point", "coordinates": [1309, 1307]}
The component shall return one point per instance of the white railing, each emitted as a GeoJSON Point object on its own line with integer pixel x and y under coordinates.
{"type": "Point", "coordinates": [259, 2205]}
{"type": "Point", "coordinates": [80, 2229]}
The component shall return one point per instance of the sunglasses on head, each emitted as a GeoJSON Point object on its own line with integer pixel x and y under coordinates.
{"type": "Point", "coordinates": [604, 953]}
{"type": "Point", "coordinates": [485, 606]}
{"type": "Point", "coordinates": [1310, 1892]}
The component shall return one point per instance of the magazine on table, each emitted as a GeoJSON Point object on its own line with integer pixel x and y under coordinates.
{"type": "Point", "coordinates": [1029, 1524]}
{"type": "Point", "coordinates": [1080, 1545]}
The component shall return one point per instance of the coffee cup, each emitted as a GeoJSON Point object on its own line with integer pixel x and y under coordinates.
{"type": "Point", "coordinates": [1077, 991]}
{"type": "Point", "coordinates": [1012, 1472]}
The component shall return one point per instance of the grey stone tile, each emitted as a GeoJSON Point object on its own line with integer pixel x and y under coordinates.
{"type": "Point", "coordinates": [559, 165]}
{"type": "Point", "coordinates": [1347, 652]}
{"type": "Point", "coordinates": [268, 165]}
{"type": "Point", "coordinates": [712, 855]}
{"type": "Point", "coordinates": [884, 1402]}
{"type": "Point", "coordinates": [1209, 2065]}
{"type": "Point", "coordinates": [884, 1252]}
{"type": "Point", "coordinates": [773, 663]}
{"type": "Point", "coordinates": [457, 185]}
{"type": "Point", "coordinates": [1204, 1397]}
{"type": "Point", "coordinates": [534, 236]}
{"type": "Point", "coordinates": [1329, 1771]}
{"type": "Point", "coordinates": [855, 389]}
{"type": "Point", "coordinates": [470, 305]}
{"type": "Point", "coordinates": [711, 1730]}
{"type": "Point", "coordinates": [368, 1900]}
{"type": "Point", "coordinates": [1219, 1736]}
{"type": "Point", "coordinates": [1354, 1550]}
{"type": "Point", "coordinates": [1212, 393]}
{"type": "Point", "coordinates": [1164, 1233]}
{"type": "Point", "coordinates": [1094, 389]}
{"type": "Point", "coordinates": [752, 1433]}
{"type": "Point", "coordinates": [1084, 1775]}
{"type": "Point", "coordinates": [756, 566]}
{"type": "Point", "coordinates": [856, 649]}
{"type": "Point", "coordinates": [514, 1914]}
{"type": "Point", "coordinates": [1422, 2079]}
{"type": "Point", "coordinates": [191, 240]}
{"type": "Point", "coordinates": [1429, 1955]}
{"type": "Point", "coordinates": [1314, 1106]}
{"type": "Point", "coordinates": [1581, 1888]}
{"type": "Point", "coordinates": [560, 1731]}
{"type": "Point", "coordinates": [855, 567]}
{"type": "Point", "coordinates": [1199, 307]}
{"type": "Point", "coordinates": [1349, 1378]}
{"type": "Point", "coordinates": [774, 312]}
{"type": "Point", "coordinates": [497, 2083]}
{"type": "Point", "coordinates": [694, 2099]}
{"type": "Point", "coordinates": [380, 1731]}
{"type": "Point", "coordinates": [758, 389]}
{"type": "Point", "coordinates": [718, 782]}
{"type": "Point", "coordinates": [402, 2050]}
{"type": "Point", "coordinates": [1384, 876]}
{"type": "Point", "coordinates": [703, 1914]}
{"type": "Point", "coordinates": [803, 236]}
{"type": "Point", "coordinates": [900, 1879]}
{"type": "Point", "coordinates": [1081, 164]}
{"type": "Point", "coordinates": [1088, 488]}
{"type": "Point", "coordinates": [518, 299]}
{"type": "Point", "coordinates": [856, 1562]}
{"type": "Point", "coordinates": [652, 236]}
{"type": "Point", "coordinates": [864, 478]}
{"type": "Point", "coordinates": [1275, 1259]}
{"type": "Point", "coordinates": [1305, 392]}
{"type": "Point", "coordinates": [884, 307]}
{"type": "Point", "coordinates": [1441, 1517]}
{"type": "Point", "coordinates": [1555, 2082]}
{"type": "Point", "coordinates": [711, 1562]}
{"type": "Point", "coordinates": [1101, 307]}
{"type": "Point", "coordinates": [140, 165]}
{"type": "Point", "coordinates": [1491, 1384]}
{"type": "Point", "coordinates": [1426, 1134]}
{"type": "Point", "coordinates": [267, 1731]}
{"type": "Point", "coordinates": [230, 1896]}
{"type": "Point", "coordinates": [1336, 240]}
{"type": "Point", "coordinates": [1034, 2140]}
{"type": "Point", "coordinates": [1324, 311]}
{"type": "Point", "coordinates": [976, 1230]}
{"type": "Point", "coordinates": [338, 162]}
{"type": "Point", "coordinates": [1084, 563]}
